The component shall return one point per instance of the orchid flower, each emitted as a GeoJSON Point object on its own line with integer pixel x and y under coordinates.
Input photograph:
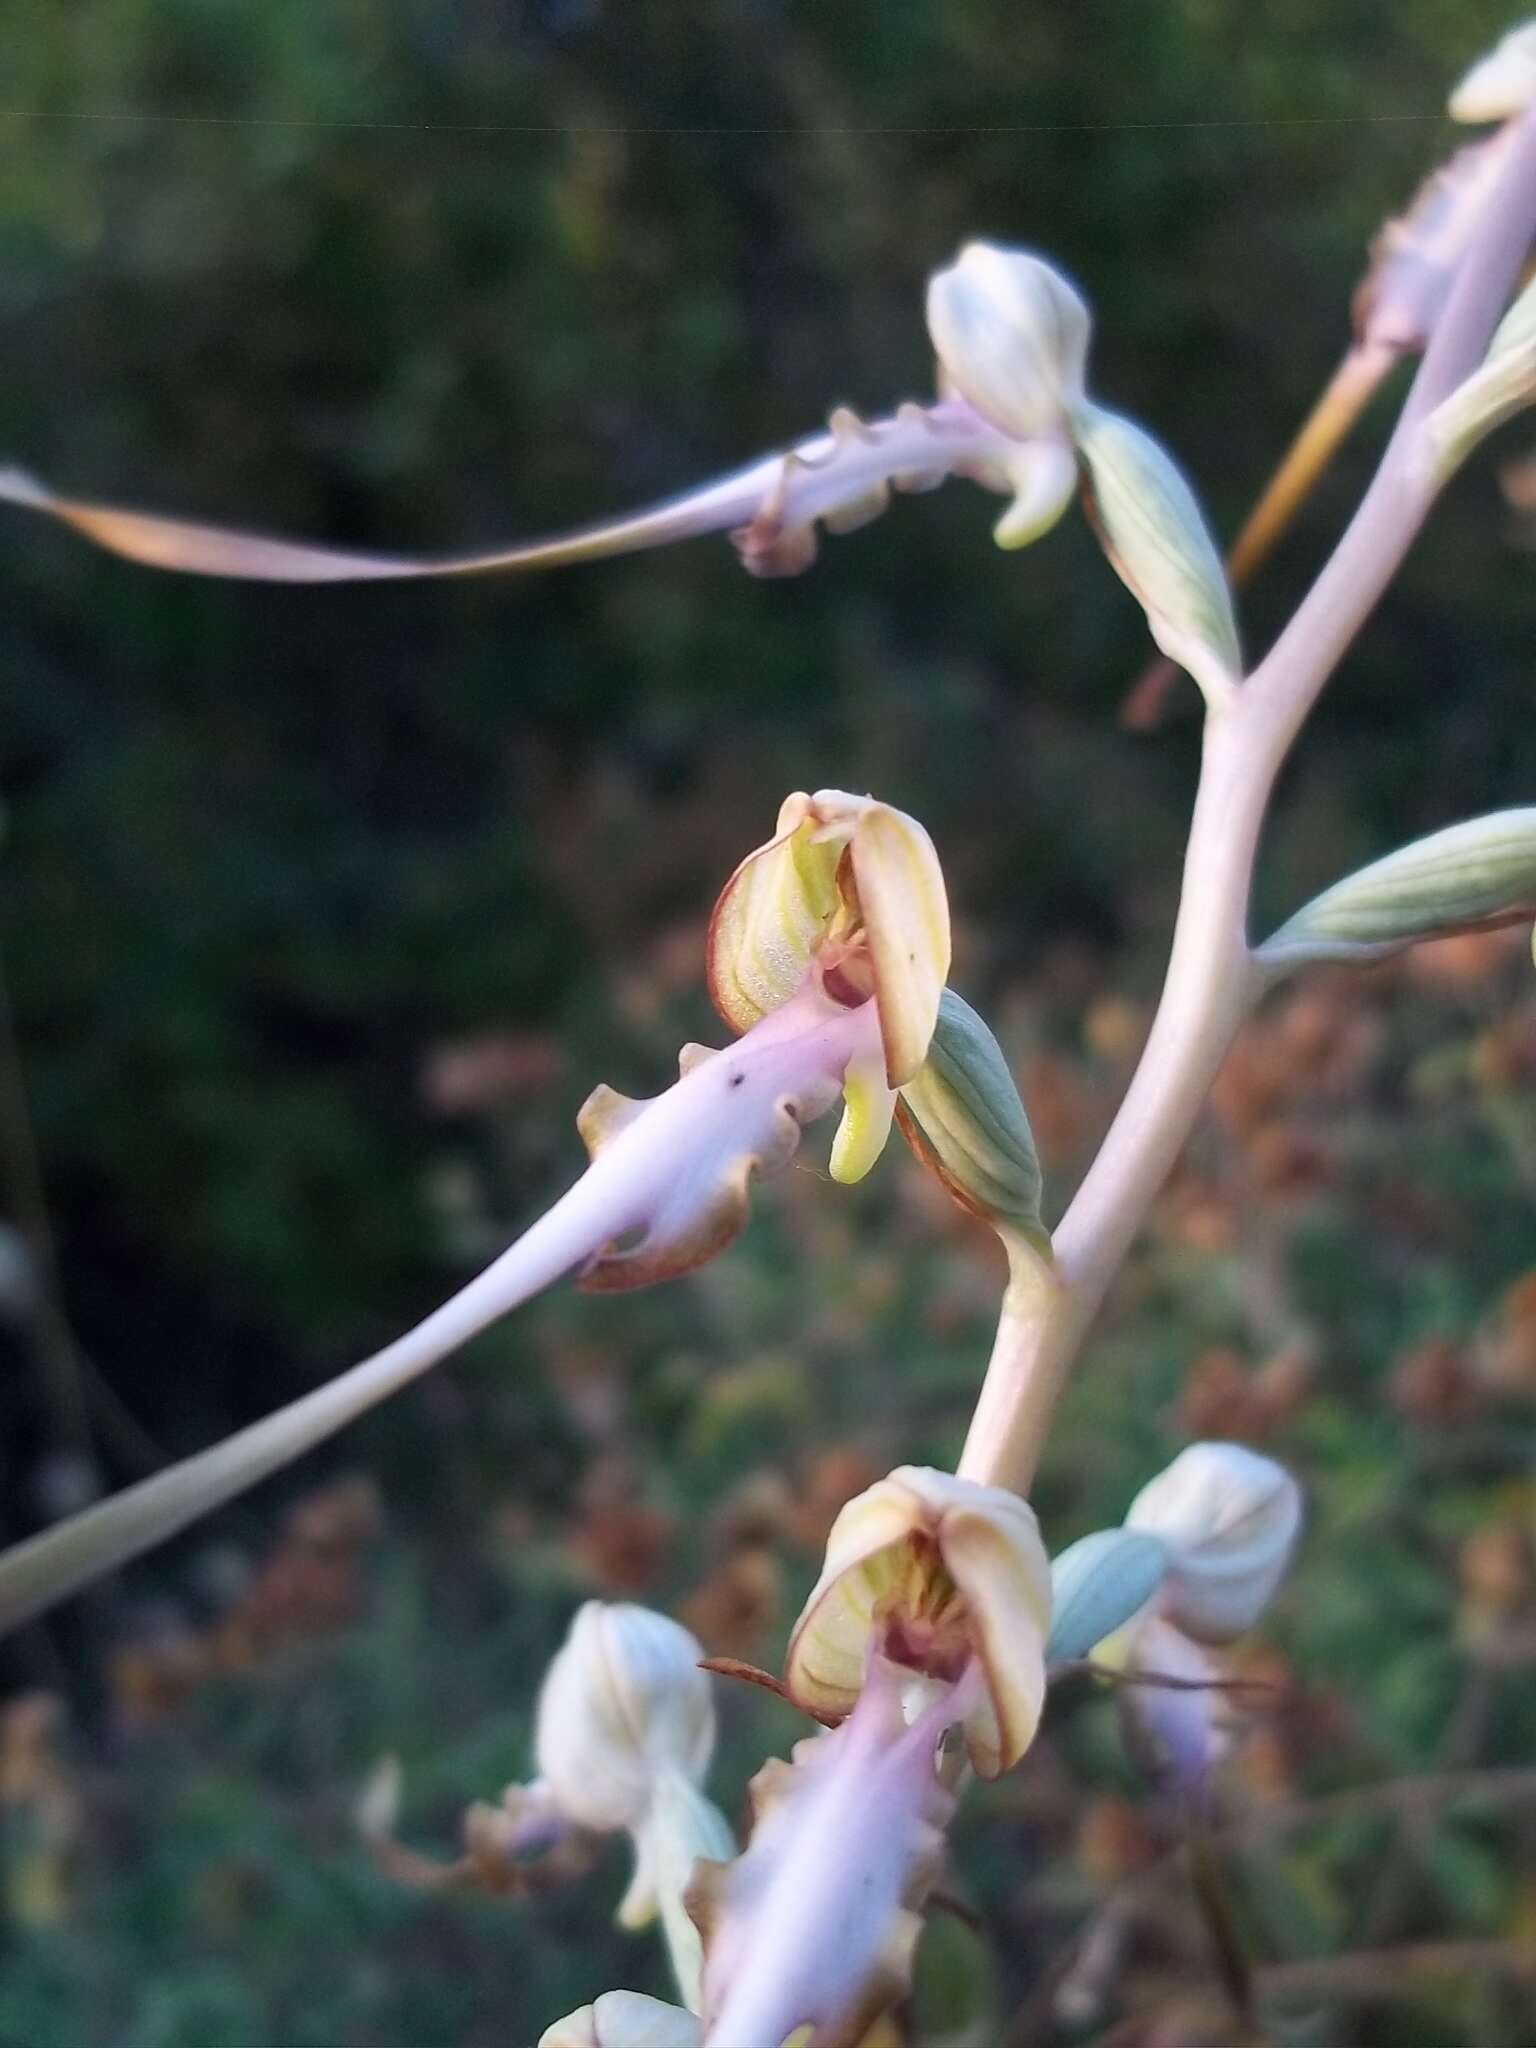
{"type": "Point", "coordinates": [1011, 339]}
{"type": "Point", "coordinates": [840, 478]}
{"type": "Point", "coordinates": [930, 1614]}
{"type": "Point", "coordinates": [1202, 1549]}
{"type": "Point", "coordinates": [828, 952]}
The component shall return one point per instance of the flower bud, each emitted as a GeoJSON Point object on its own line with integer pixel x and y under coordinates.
{"type": "Point", "coordinates": [1230, 1519]}
{"type": "Point", "coordinates": [1100, 1584]}
{"type": "Point", "coordinates": [933, 1572]}
{"type": "Point", "coordinates": [1466, 878]}
{"type": "Point", "coordinates": [1011, 336]}
{"type": "Point", "coordinates": [624, 2019]}
{"type": "Point", "coordinates": [1501, 83]}
{"type": "Point", "coordinates": [623, 1703]}
{"type": "Point", "coordinates": [962, 1116]}
{"type": "Point", "coordinates": [1154, 533]}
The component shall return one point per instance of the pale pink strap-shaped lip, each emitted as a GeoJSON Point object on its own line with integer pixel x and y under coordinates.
{"type": "Point", "coordinates": [186, 545]}
{"type": "Point", "coordinates": [808, 481]}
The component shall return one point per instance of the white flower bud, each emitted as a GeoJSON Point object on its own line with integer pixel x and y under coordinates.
{"type": "Point", "coordinates": [623, 1703]}
{"type": "Point", "coordinates": [1501, 83]}
{"type": "Point", "coordinates": [1230, 1519]}
{"type": "Point", "coordinates": [624, 2019]}
{"type": "Point", "coordinates": [1011, 336]}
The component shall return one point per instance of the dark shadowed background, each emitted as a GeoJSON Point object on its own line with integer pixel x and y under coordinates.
{"type": "Point", "coordinates": [322, 911]}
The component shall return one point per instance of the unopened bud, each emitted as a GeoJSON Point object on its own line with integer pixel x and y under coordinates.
{"type": "Point", "coordinates": [1501, 83]}
{"type": "Point", "coordinates": [624, 2019]}
{"type": "Point", "coordinates": [962, 1116]}
{"type": "Point", "coordinates": [623, 1703]}
{"type": "Point", "coordinates": [1230, 1519]}
{"type": "Point", "coordinates": [1466, 878]}
{"type": "Point", "coordinates": [933, 1572]}
{"type": "Point", "coordinates": [1011, 336]}
{"type": "Point", "coordinates": [1154, 533]}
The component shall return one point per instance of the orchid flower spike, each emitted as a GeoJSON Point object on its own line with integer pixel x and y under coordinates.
{"type": "Point", "coordinates": [1203, 1548]}
{"type": "Point", "coordinates": [828, 952]}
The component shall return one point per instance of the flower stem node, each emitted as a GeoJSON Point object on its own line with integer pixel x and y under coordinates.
{"type": "Point", "coordinates": [937, 1575]}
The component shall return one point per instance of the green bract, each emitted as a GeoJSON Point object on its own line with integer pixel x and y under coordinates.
{"type": "Point", "coordinates": [1470, 876]}
{"type": "Point", "coordinates": [1157, 541]}
{"type": "Point", "coordinates": [962, 1115]}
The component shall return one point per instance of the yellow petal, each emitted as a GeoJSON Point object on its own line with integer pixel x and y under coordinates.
{"type": "Point", "coordinates": [824, 1666]}
{"type": "Point", "coordinates": [994, 1554]}
{"type": "Point", "coordinates": [906, 917]}
{"type": "Point", "coordinates": [868, 1107]}
{"type": "Point", "coordinates": [769, 918]}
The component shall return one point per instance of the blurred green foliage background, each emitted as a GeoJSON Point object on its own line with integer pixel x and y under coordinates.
{"type": "Point", "coordinates": [322, 911]}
